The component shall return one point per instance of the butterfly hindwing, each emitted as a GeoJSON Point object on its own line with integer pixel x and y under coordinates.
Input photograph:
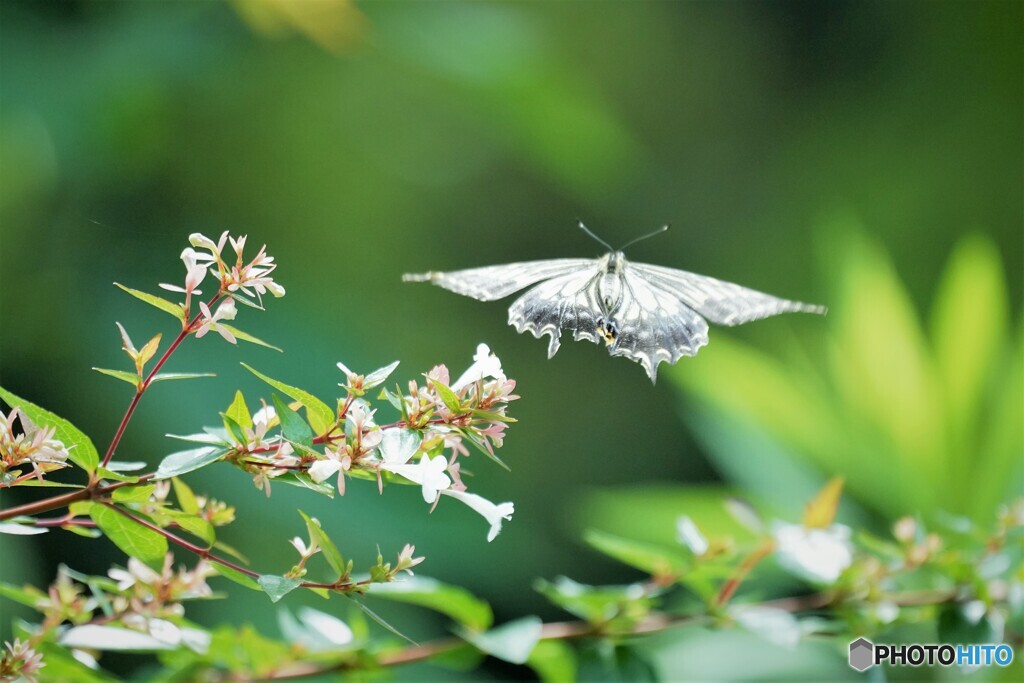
{"type": "Point", "coordinates": [654, 325]}
{"type": "Point", "coordinates": [723, 303]}
{"type": "Point", "coordinates": [567, 302]}
{"type": "Point", "coordinates": [496, 282]}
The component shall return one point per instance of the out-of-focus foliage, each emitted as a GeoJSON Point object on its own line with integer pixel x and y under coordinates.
{"type": "Point", "coordinates": [917, 415]}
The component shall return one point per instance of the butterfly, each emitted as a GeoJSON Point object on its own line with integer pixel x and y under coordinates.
{"type": "Point", "coordinates": [649, 314]}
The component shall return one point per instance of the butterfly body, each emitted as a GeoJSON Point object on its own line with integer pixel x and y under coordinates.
{"type": "Point", "coordinates": [649, 314]}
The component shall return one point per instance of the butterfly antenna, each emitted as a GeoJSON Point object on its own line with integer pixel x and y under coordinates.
{"type": "Point", "coordinates": [595, 237]}
{"type": "Point", "coordinates": [643, 237]}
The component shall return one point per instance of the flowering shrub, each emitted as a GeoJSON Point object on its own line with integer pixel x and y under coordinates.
{"type": "Point", "coordinates": [957, 576]}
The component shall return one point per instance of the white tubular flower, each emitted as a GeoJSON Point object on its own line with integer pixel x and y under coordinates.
{"type": "Point", "coordinates": [195, 272]}
{"type": "Point", "coordinates": [494, 514]}
{"type": "Point", "coordinates": [226, 311]}
{"type": "Point", "coordinates": [427, 472]}
{"type": "Point", "coordinates": [203, 242]}
{"type": "Point", "coordinates": [817, 555]}
{"type": "Point", "coordinates": [485, 364]}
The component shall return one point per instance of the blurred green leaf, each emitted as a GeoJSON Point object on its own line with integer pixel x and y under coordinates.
{"type": "Point", "coordinates": [80, 449]}
{"type": "Point", "coordinates": [163, 304]}
{"type": "Point", "coordinates": [647, 557]}
{"type": "Point", "coordinates": [195, 525]}
{"type": "Point", "coordinates": [453, 601]}
{"type": "Point", "coordinates": [321, 417]}
{"type": "Point", "coordinates": [955, 626]}
{"type": "Point", "coordinates": [131, 537]}
{"type": "Point", "coordinates": [186, 498]}
{"type": "Point", "coordinates": [512, 642]}
{"type": "Point", "coordinates": [554, 661]}
{"type": "Point", "coordinates": [596, 604]}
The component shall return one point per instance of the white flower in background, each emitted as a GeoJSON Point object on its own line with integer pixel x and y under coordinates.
{"type": "Point", "coordinates": [690, 536]}
{"type": "Point", "coordinates": [817, 555]}
{"type": "Point", "coordinates": [226, 311]}
{"type": "Point", "coordinates": [195, 272]}
{"type": "Point", "coordinates": [494, 514]}
{"type": "Point", "coordinates": [428, 472]}
{"type": "Point", "coordinates": [485, 364]}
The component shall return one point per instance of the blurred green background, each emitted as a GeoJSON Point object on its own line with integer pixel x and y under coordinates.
{"type": "Point", "coordinates": [830, 152]}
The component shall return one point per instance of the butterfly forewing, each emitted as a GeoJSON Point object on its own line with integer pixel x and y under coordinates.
{"type": "Point", "coordinates": [496, 282]}
{"type": "Point", "coordinates": [723, 303]}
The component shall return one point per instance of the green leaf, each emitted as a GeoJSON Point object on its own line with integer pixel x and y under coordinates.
{"type": "Point", "coordinates": [239, 411]}
{"type": "Point", "coordinates": [186, 499]}
{"type": "Point", "coordinates": [302, 480]}
{"type": "Point", "coordinates": [277, 586]}
{"type": "Point", "coordinates": [380, 620]}
{"type": "Point", "coordinates": [453, 601]}
{"type": "Point", "coordinates": [294, 427]}
{"type": "Point", "coordinates": [596, 604]}
{"type": "Point", "coordinates": [330, 551]}
{"type": "Point", "coordinates": [448, 397]}
{"type": "Point", "coordinates": [131, 537]}
{"type": "Point", "coordinates": [245, 336]}
{"type": "Point", "coordinates": [176, 464]}
{"type": "Point", "coordinates": [30, 596]}
{"type": "Point", "coordinates": [133, 494]}
{"type": "Point", "coordinates": [180, 375]}
{"type": "Point", "coordinates": [122, 375]}
{"type": "Point", "coordinates": [554, 661]}
{"type": "Point", "coordinates": [163, 304]}
{"type": "Point", "coordinates": [236, 576]}
{"type": "Point", "coordinates": [512, 642]}
{"type": "Point", "coordinates": [653, 559]}
{"type": "Point", "coordinates": [195, 525]}
{"type": "Point", "coordinates": [81, 450]}
{"type": "Point", "coordinates": [107, 473]}
{"type": "Point", "coordinates": [319, 414]}
{"type": "Point", "coordinates": [969, 324]}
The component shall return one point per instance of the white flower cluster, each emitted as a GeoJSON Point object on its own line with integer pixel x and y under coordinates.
{"type": "Point", "coordinates": [34, 447]}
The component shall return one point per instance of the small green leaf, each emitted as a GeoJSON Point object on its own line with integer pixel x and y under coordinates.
{"type": "Point", "coordinates": [554, 661]}
{"type": "Point", "coordinates": [294, 427]}
{"type": "Point", "coordinates": [163, 304]}
{"type": "Point", "coordinates": [330, 551]}
{"type": "Point", "coordinates": [114, 475]}
{"type": "Point", "coordinates": [453, 601]}
{"type": "Point", "coordinates": [239, 411]}
{"type": "Point", "coordinates": [122, 375]}
{"type": "Point", "coordinates": [177, 464]}
{"type": "Point", "coordinates": [319, 414]}
{"type": "Point", "coordinates": [245, 336]}
{"type": "Point", "coordinates": [648, 557]}
{"type": "Point", "coordinates": [180, 375]}
{"type": "Point", "coordinates": [131, 537]}
{"type": "Point", "coordinates": [450, 399]}
{"type": "Point", "coordinates": [81, 451]}
{"type": "Point", "coordinates": [195, 525]}
{"type": "Point", "coordinates": [302, 480]}
{"type": "Point", "coordinates": [30, 596]}
{"type": "Point", "coordinates": [186, 499]}
{"type": "Point", "coordinates": [512, 642]}
{"type": "Point", "coordinates": [133, 494]}
{"type": "Point", "coordinates": [277, 586]}
{"type": "Point", "coordinates": [597, 604]}
{"type": "Point", "coordinates": [236, 576]}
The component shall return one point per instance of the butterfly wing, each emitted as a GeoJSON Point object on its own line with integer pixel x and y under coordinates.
{"type": "Point", "coordinates": [723, 303]}
{"type": "Point", "coordinates": [566, 302]}
{"type": "Point", "coordinates": [496, 282]}
{"type": "Point", "coordinates": [654, 325]}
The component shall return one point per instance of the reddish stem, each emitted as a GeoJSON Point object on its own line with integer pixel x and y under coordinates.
{"type": "Point", "coordinates": [729, 587]}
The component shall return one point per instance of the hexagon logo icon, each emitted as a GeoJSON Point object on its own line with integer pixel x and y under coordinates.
{"type": "Point", "coordinates": [862, 654]}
